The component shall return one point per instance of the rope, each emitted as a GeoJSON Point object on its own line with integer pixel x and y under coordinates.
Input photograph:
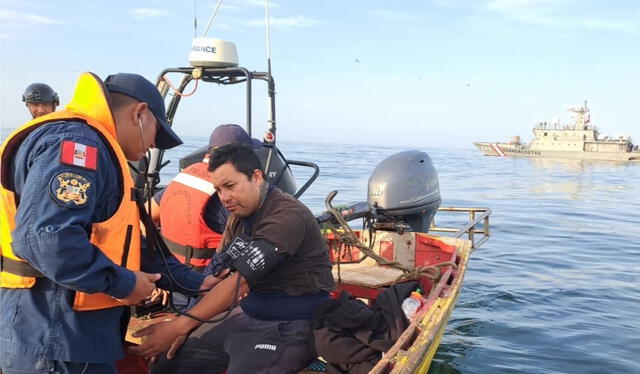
{"type": "Point", "coordinates": [175, 90]}
{"type": "Point", "coordinates": [345, 237]}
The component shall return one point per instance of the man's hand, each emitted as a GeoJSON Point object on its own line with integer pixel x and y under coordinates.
{"type": "Point", "coordinates": [163, 336]}
{"type": "Point", "coordinates": [175, 346]}
{"type": "Point", "coordinates": [210, 281]}
{"type": "Point", "coordinates": [173, 349]}
{"type": "Point", "coordinates": [145, 284]}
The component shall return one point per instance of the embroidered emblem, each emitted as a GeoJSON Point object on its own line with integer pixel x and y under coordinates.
{"type": "Point", "coordinates": [77, 154]}
{"type": "Point", "coordinates": [70, 190]}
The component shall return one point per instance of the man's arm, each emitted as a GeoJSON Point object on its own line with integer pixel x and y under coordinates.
{"type": "Point", "coordinates": [155, 207]}
{"type": "Point", "coordinates": [162, 335]}
{"type": "Point", "coordinates": [153, 262]}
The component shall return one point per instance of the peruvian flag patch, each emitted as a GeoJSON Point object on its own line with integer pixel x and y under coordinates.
{"type": "Point", "coordinates": [76, 154]}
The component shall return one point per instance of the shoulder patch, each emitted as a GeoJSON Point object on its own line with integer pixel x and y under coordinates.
{"type": "Point", "coordinates": [78, 154]}
{"type": "Point", "coordinates": [70, 190]}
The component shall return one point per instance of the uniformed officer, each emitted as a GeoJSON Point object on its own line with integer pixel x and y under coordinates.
{"type": "Point", "coordinates": [70, 231]}
{"type": "Point", "coordinates": [40, 99]}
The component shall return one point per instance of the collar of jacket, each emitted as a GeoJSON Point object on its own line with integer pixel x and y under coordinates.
{"type": "Point", "coordinates": [90, 98]}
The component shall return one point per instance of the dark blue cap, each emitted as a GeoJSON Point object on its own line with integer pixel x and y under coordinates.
{"type": "Point", "coordinates": [139, 88]}
{"type": "Point", "coordinates": [230, 133]}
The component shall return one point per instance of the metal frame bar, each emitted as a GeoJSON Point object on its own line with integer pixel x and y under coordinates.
{"type": "Point", "coordinates": [224, 76]}
{"type": "Point", "coordinates": [470, 227]}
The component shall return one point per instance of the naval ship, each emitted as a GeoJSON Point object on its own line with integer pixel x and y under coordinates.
{"type": "Point", "coordinates": [582, 141]}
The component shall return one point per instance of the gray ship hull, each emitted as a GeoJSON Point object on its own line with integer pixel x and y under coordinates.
{"type": "Point", "coordinates": [514, 150]}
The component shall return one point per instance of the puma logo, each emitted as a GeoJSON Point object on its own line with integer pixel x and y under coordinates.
{"type": "Point", "coordinates": [270, 347]}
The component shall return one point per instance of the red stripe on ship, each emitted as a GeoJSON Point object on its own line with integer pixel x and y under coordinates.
{"type": "Point", "coordinates": [496, 148]}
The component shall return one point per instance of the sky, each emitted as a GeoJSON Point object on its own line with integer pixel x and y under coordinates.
{"type": "Point", "coordinates": [438, 73]}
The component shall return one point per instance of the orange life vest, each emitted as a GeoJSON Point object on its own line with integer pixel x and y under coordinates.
{"type": "Point", "coordinates": [182, 209]}
{"type": "Point", "coordinates": [118, 237]}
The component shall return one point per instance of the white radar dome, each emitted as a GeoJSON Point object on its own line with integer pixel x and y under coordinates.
{"type": "Point", "coordinates": [210, 52]}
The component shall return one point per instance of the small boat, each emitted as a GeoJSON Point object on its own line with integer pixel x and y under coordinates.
{"type": "Point", "coordinates": [581, 141]}
{"type": "Point", "coordinates": [397, 241]}
{"type": "Point", "coordinates": [415, 347]}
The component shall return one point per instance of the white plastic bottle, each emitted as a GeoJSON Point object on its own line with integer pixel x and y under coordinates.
{"type": "Point", "coordinates": [411, 304]}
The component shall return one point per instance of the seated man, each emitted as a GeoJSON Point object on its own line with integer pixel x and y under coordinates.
{"type": "Point", "coordinates": [188, 210]}
{"type": "Point", "coordinates": [281, 260]}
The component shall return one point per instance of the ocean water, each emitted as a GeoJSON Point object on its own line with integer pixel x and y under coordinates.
{"type": "Point", "coordinates": [556, 289]}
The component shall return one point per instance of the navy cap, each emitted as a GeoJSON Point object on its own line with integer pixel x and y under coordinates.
{"type": "Point", "coordinates": [230, 133]}
{"type": "Point", "coordinates": [139, 88]}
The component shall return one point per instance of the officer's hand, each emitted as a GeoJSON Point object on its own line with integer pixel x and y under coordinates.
{"type": "Point", "coordinates": [160, 294]}
{"type": "Point", "coordinates": [145, 284]}
{"type": "Point", "coordinates": [210, 281]}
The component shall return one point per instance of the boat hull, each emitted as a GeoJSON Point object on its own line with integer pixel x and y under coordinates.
{"type": "Point", "coordinates": [416, 347]}
{"type": "Point", "coordinates": [513, 150]}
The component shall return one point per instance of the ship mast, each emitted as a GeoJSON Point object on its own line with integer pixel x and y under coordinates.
{"type": "Point", "coordinates": [580, 123]}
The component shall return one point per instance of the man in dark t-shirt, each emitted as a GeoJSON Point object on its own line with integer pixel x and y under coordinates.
{"type": "Point", "coordinates": [190, 213]}
{"type": "Point", "coordinates": [281, 261]}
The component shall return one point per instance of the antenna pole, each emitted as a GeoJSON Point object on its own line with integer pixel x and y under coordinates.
{"type": "Point", "coordinates": [195, 20]}
{"type": "Point", "coordinates": [271, 117]}
{"type": "Point", "coordinates": [215, 12]}
{"type": "Point", "coordinates": [271, 128]}
{"type": "Point", "coordinates": [266, 22]}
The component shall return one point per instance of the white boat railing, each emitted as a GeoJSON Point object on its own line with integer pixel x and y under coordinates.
{"type": "Point", "coordinates": [476, 217]}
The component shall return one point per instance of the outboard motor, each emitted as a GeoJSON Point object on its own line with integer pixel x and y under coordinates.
{"type": "Point", "coordinates": [404, 191]}
{"type": "Point", "coordinates": [279, 172]}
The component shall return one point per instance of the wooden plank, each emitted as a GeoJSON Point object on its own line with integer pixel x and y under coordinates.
{"type": "Point", "coordinates": [371, 276]}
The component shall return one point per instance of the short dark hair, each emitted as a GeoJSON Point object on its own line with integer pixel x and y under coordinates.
{"type": "Point", "coordinates": [120, 100]}
{"type": "Point", "coordinates": [239, 155]}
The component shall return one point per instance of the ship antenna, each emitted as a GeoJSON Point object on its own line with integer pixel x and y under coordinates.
{"type": "Point", "coordinates": [270, 138]}
{"type": "Point", "coordinates": [266, 22]}
{"type": "Point", "coordinates": [271, 118]}
{"type": "Point", "coordinates": [195, 19]}
{"type": "Point", "coordinates": [215, 12]}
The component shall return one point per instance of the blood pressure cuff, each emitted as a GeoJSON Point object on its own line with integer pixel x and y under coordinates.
{"type": "Point", "coordinates": [252, 258]}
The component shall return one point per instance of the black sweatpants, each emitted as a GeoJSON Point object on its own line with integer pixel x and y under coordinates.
{"type": "Point", "coordinates": [241, 344]}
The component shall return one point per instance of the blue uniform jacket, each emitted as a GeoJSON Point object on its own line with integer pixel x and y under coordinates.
{"type": "Point", "coordinates": [54, 238]}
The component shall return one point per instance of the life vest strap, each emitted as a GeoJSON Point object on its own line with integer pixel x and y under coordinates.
{"type": "Point", "coordinates": [20, 268]}
{"type": "Point", "coordinates": [188, 251]}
